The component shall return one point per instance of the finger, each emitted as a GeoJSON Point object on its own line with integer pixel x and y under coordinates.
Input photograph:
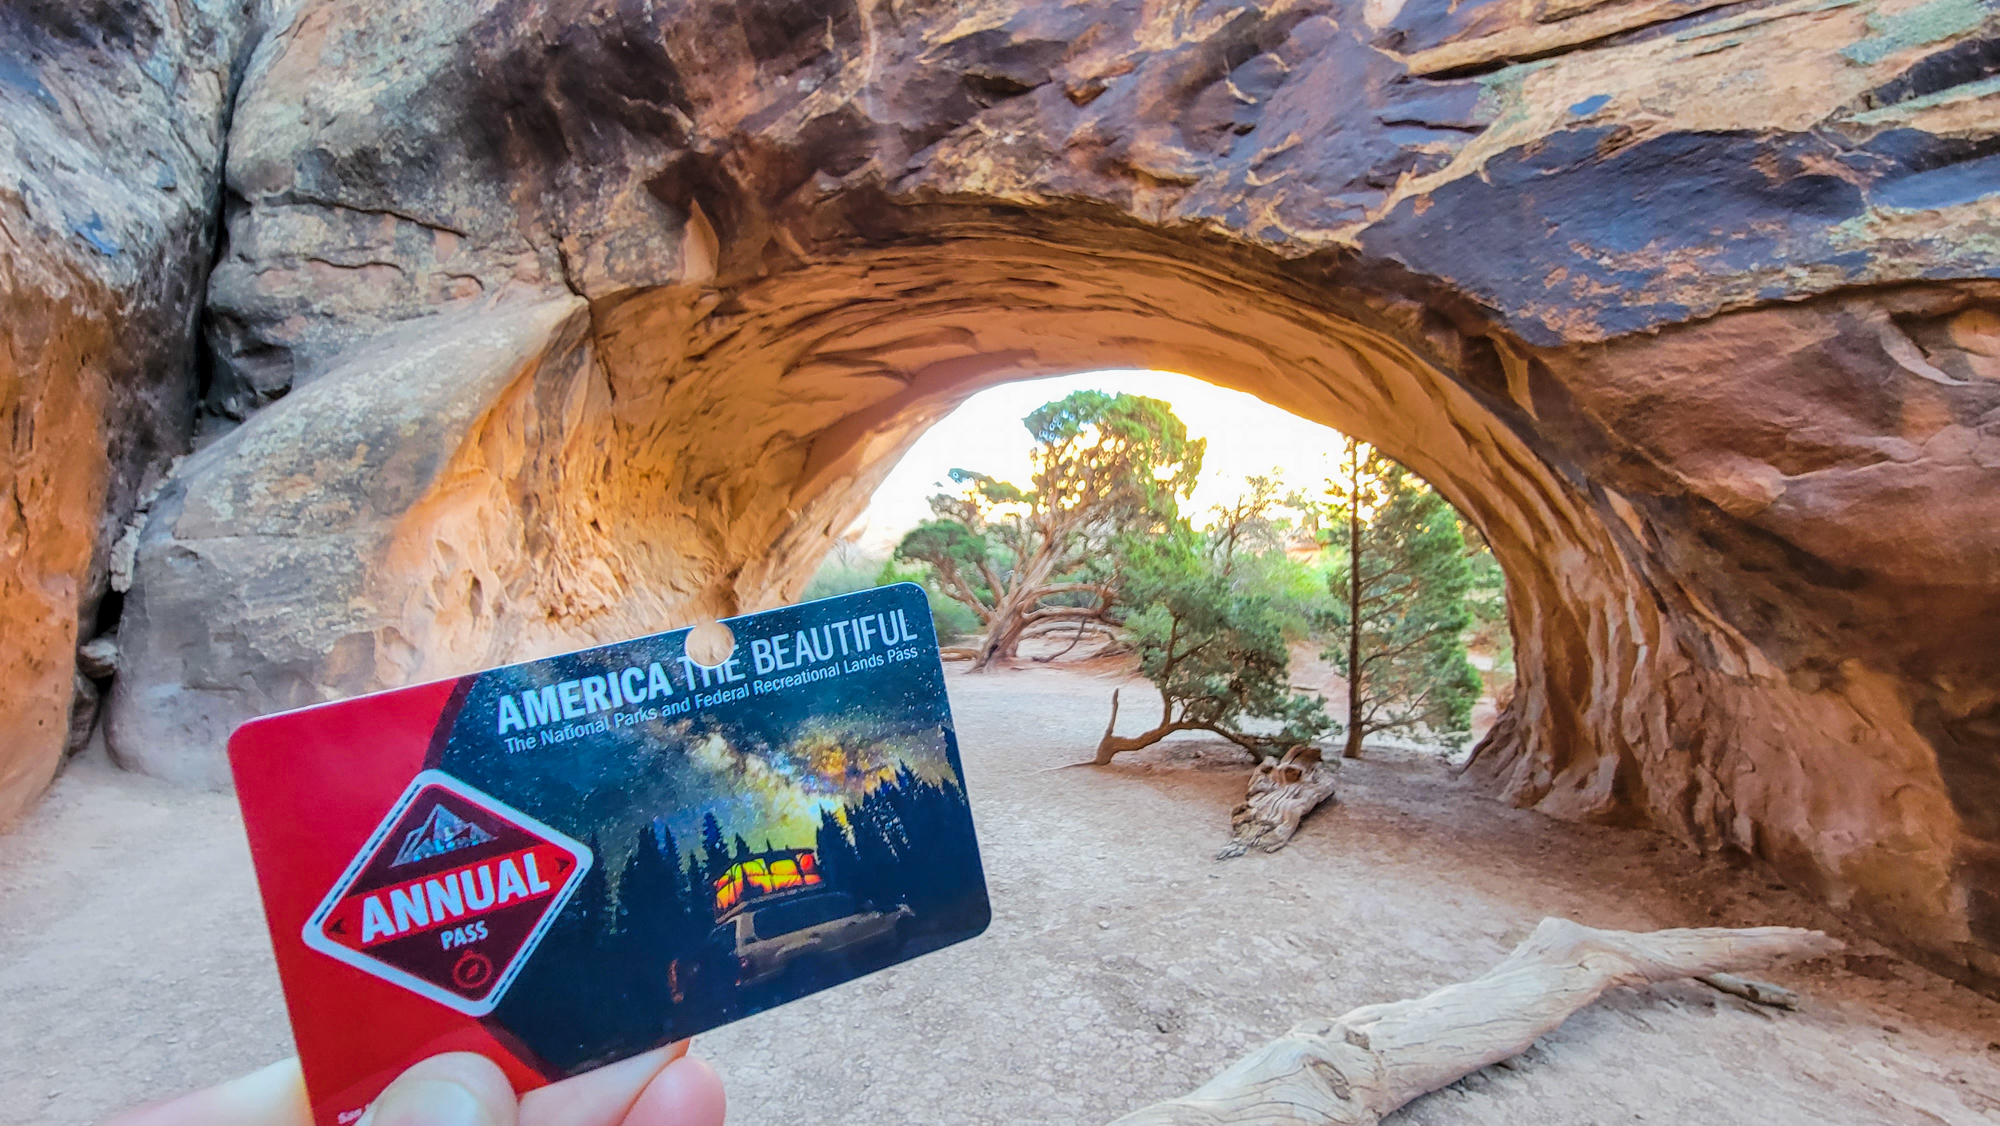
{"type": "Point", "coordinates": [454, 1089]}
{"type": "Point", "coordinates": [271, 1096]}
{"type": "Point", "coordinates": [600, 1097]}
{"type": "Point", "coordinates": [687, 1093]}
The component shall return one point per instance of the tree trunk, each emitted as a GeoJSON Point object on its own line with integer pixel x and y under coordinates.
{"type": "Point", "coordinates": [1355, 1069]}
{"type": "Point", "coordinates": [1003, 633]}
{"type": "Point", "coordinates": [1281, 793]}
{"type": "Point", "coordinates": [1259, 746]}
{"type": "Point", "coordinates": [1112, 744]}
{"type": "Point", "coordinates": [1354, 732]}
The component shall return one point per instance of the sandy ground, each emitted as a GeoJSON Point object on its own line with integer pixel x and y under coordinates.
{"type": "Point", "coordinates": [1123, 965]}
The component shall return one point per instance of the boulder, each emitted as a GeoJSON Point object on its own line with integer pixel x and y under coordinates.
{"type": "Point", "coordinates": [392, 480]}
{"type": "Point", "coordinates": [554, 320]}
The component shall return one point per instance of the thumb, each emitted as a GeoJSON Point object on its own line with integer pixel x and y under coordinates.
{"type": "Point", "coordinates": [455, 1089]}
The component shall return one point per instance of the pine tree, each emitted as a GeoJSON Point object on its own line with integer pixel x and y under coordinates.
{"type": "Point", "coordinates": [876, 855]}
{"type": "Point", "coordinates": [838, 864]}
{"type": "Point", "coordinates": [701, 892]}
{"type": "Point", "coordinates": [938, 860]}
{"type": "Point", "coordinates": [587, 914]}
{"type": "Point", "coordinates": [714, 853]}
{"type": "Point", "coordinates": [688, 909]}
{"type": "Point", "coordinates": [1399, 602]}
{"type": "Point", "coordinates": [652, 901]}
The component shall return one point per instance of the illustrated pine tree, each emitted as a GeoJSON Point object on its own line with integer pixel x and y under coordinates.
{"type": "Point", "coordinates": [653, 901]}
{"type": "Point", "coordinates": [588, 913]}
{"type": "Point", "coordinates": [1399, 611]}
{"type": "Point", "coordinates": [879, 849]}
{"type": "Point", "coordinates": [714, 853]}
{"type": "Point", "coordinates": [701, 893]}
{"type": "Point", "coordinates": [907, 841]}
{"type": "Point", "coordinates": [576, 990]}
{"type": "Point", "coordinates": [1030, 561]}
{"type": "Point", "coordinates": [838, 864]}
{"type": "Point", "coordinates": [937, 858]}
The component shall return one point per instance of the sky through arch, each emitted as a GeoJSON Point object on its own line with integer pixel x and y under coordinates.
{"type": "Point", "coordinates": [1245, 436]}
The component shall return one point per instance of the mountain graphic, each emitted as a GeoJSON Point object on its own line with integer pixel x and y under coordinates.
{"type": "Point", "coordinates": [443, 831]}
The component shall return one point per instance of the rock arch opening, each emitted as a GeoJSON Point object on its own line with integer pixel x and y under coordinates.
{"type": "Point", "coordinates": [1265, 482]}
{"type": "Point", "coordinates": [494, 482]}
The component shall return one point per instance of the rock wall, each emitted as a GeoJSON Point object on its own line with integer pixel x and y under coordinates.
{"type": "Point", "coordinates": [556, 320]}
{"type": "Point", "coordinates": [113, 116]}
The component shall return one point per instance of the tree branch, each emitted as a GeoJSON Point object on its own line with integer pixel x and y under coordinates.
{"type": "Point", "coordinates": [1355, 1069]}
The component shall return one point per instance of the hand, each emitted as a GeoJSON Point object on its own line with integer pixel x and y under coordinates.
{"type": "Point", "coordinates": [664, 1087]}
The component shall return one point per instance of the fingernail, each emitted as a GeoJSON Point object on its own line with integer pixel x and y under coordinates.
{"type": "Point", "coordinates": [431, 1103]}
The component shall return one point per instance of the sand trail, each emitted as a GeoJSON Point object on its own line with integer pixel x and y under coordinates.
{"type": "Point", "coordinates": [1123, 965]}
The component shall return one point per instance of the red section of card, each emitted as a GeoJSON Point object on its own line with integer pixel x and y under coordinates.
{"type": "Point", "coordinates": [314, 785]}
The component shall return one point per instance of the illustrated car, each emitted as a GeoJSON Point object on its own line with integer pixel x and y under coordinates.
{"type": "Point", "coordinates": [770, 938]}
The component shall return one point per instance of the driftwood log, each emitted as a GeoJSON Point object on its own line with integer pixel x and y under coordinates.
{"type": "Point", "coordinates": [1356, 1068]}
{"type": "Point", "coordinates": [1280, 794]}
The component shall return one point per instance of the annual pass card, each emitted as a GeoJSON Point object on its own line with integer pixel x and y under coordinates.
{"type": "Point", "coordinates": [565, 862]}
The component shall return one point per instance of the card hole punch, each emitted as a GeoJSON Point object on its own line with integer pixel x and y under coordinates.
{"type": "Point", "coordinates": [710, 643]}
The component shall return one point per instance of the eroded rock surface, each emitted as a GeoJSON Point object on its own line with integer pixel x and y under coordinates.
{"type": "Point", "coordinates": [113, 118]}
{"type": "Point", "coordinates": [557, 321]}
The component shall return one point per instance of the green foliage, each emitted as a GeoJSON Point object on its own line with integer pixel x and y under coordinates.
{"type": "Point", "coordinates": [1246, 543]}
{"type": "Point", "coordinates": [845, 571]}
{"type": "Point", "coordinates": [1399, 608]}
{"type": "Point", "coordinates": [1295, 591]}
{"type": "Point", "coordinates": [952, 621]}
{"type": "Point", "coordinates": [1249, 526]}
{"type": "Point", "coordinates": [1486, 599]}
{"type": "Point", "coordinates": [1212, 642]}
{"type": "Point", "coordinates": [991, 489]}
{"type": "Point", "coordinates": [1027, 559]}
{"type": "Point", "coordinates": [1123, 459]}
{"type": "Point", "coordinates": [960, 558]}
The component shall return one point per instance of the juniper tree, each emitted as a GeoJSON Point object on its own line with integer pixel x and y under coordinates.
{"type": "Point", "coordinates": [1399, 609]}
{"type": "Point", "coordinates": [1248, 527]}
{"type": "Point", "coordinates": [1213, 645]}
{"type": "Point", "coordinates": [1027, 561]}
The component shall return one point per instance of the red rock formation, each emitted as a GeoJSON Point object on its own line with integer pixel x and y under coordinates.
{"type": "Point", "coordinates": [555, 321]}
{"type": "Point", "coordinates": [113, 117]}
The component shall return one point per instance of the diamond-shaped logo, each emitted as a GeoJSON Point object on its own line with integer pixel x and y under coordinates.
{"type": "Point", "coordinates": [440, 833]}
{"type": "Point", "coordinates": [450, 895]}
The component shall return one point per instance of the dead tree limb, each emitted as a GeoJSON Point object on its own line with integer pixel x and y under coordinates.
{"type": "Point", "coordinates": [1081, 625]}
{"type": "Point", "coordinates": [1355, 1069]}
{"type": "Point", "coordinates": [1261, 747]}
{"type": "Point", "coordinates": [1280, 794]}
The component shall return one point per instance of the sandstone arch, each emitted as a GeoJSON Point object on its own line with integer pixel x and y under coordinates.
{"type": "Point", "coordinates": [554, 321]}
